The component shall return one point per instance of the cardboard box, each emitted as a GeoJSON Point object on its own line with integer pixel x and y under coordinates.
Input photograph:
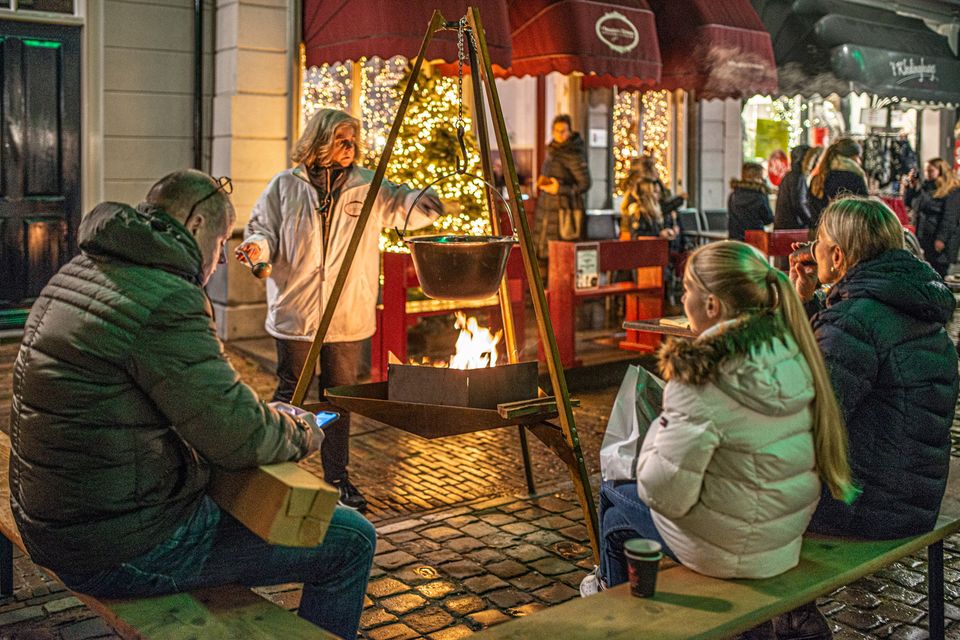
{"type": "Point", "coordinates": [282, 503]}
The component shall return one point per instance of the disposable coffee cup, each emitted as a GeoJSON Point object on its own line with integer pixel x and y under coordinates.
{"type": "Point", "coordinates": [643, 562]}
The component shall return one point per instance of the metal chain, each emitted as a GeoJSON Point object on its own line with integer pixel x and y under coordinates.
{"type": "Point", "coordinates": [461, 27]}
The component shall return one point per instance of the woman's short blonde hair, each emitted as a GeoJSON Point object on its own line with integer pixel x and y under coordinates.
{"type": "Point", "coordinates": [863, 227]}
{"type": "Point", "coordinates": [315, 146]}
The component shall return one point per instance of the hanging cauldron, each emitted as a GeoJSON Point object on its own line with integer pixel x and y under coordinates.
{"type": "Point", "coordinates": [459, 267]}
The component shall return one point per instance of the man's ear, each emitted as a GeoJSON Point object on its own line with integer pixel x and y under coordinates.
{"type": "Point", "coordinates": [194, 223]}
{"type": "Point", "coordinates": [837, 257]}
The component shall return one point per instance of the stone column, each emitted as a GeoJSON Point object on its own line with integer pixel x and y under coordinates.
{"type": "Point", "coordinates": [252, 111]}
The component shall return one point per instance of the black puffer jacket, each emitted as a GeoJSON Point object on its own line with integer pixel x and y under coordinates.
{"type": "Point", "coordinates": [936, 219]}
{"type": "Point", "coordinates": [748, 207]}
{"type": "Point", "coordinates": [567, 163]}
{"type": "Point", "coordinates": [122, 398]}
{"type": "Point", "coordinates": [793, 198]}
{"type": "Point", "coordinates": [895, 373]}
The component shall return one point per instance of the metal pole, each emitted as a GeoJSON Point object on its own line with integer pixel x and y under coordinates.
{"type": "Point", "coordinates": [578, 471]}
{"type": "Point", "coordinates": [506, 310]}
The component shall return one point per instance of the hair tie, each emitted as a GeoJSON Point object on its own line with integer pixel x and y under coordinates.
{"type": "Point", "coordinates": [771, 279]}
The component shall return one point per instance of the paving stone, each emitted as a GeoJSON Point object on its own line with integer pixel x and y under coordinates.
{"type": "Point", "coordinates": [461, 605]}
{"type": "Point", "coordinates": [420, 546]}
{"type": "Point", "coordinates": [846, 633]}
{"type": "Point", "coordinates": [498, 519]}
{"type": "Point", "coordinates": [552, 566]}
{"type": "Point", "coordinates": [556, 593]}
{"type": "Point", "coordinates": [403, 603]}
{"type": "Point", "coordinates": [858, 598]}
{"type": "Point", "coordinates": [440, 533]}
{"type": "Point", "coordinates": [572, 579]}
{"type": "Point", "coordinates": [403, 525]}
{"type": "Point", "coordinates": [441, 556]}
{"type": "Point", "coordinates": [452, 633]}
{"type": "Point", "coordinates": [530, 582]}
{"type": "Point", "coordinates": [552, 523]}
{"type": "Point", "coordinates": [404, 536]}
{"type": "Point", "coordinates": [543, 538]}
{"type": "Point", "coordinates": [902, 576]}
{"type": "Point", "coordinates": [480, 529]}
{"type": "Point", "coordinates": [55, 606]}
{"type": "Point", "coordinates": [459, 521]}
{"type": "Point", "coordinates": [437, 589]}
{"type": "Point", "coordinates": [464, 544]}
{"type": "Point", "coordinates": [951, 611]}
{"type": "Point", "coordinates": [489, 617]}
{"type": "Point", "coordinates": [499, 540]}
{"type": "Point", "coordinates": [20, 615]}
{"type": "Point", "coordinates": [394, 560]}
{"type": "Point", "coordinates": [462, 569]}
{"type": "Point", "coordinates": [896, 592]}
{"type": "Point", "coordinates": [526, 553]}
{"type": "Point", "coordinates": [513, 507]}
{"type": "Point", "coordinates": [92, 628]}
{"type": "Point", "coordinates": [909, 632]}
{"type": "Point", "coordinates": [417, 574]}
{"type": "Point", "coordinates": [552, 503]}
{"type": "Point", "coordinates": [531, 514]}
{"type": "Point", "coordinates": [576, 532]}
{"type": "Point", "coordinates": [486, 556]}
{"type": "Point", "coordinates": [899, 612]}
{"type": "Point", "coordinates": [526, 609]}
{"type": "Point", "coordinates": [507, 598]}
{"type": "Point", "coordinates": [385, 587]}
{"type": "Point", "coordinates": [396, 631]}
{"type": "Point", "coordinates": [428, 620]}
{"type": "Point", "coordinates": [384, 546]}
{"type": "Point", "coordinates": [831, 607]}
{"type": "Point", "coordinates": [482, 584]}
{"type": "Point", "coordinates": [859, 620]}
{"type": "Point", "coordinates": [519, 528]}
{"type": "Point", "coordinates": [506, 569]}
{"type": "Point", "coordinates": [375, 617]}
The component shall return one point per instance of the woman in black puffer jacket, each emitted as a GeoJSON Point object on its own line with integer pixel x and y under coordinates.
{"type": "Point", "coordinates": [936, 206]}
{"type": "Point", "coordinates": [838, 173]}
{"type": "Point", "coordinates": [563, 180]}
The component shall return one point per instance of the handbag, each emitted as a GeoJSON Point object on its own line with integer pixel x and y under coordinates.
{"type": "Point", "coordinates": [570, 223]}
{"type": "Point", "coordinates": [638, 403]}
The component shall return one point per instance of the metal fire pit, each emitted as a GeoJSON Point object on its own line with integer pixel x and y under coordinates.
{"type": "Point", "coordinates": [425, 420]}
{"type": "Point", "coordinates": [483, 388]}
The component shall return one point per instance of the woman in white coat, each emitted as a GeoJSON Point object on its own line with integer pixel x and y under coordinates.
{"type": "Point", "coordinates": [729, 473]}
{"type": "Point", "coordinates": [302, 224]}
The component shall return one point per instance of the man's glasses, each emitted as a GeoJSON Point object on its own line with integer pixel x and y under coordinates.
{"type": "Point", "coordinates": [223, 184]}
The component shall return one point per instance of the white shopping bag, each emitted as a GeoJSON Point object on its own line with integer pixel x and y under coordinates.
{"type": "Point", "coordinates": [638, 403]}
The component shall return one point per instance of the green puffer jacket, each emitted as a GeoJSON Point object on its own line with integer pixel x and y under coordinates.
{"type": "Point", "coordinates": [122, 398]}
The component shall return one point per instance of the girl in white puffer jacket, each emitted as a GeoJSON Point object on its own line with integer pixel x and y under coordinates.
{"type": "Point", "coordinates": [729, 473]}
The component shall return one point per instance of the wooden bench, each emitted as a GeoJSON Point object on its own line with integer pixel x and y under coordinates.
{"type": "Point", "coordinates": [691, 605]}
{"type": "Point", "coordinates": [231, 611]}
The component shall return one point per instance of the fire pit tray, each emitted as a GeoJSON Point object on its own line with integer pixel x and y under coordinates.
{"type": "Point", "coordinates": [424, 420]}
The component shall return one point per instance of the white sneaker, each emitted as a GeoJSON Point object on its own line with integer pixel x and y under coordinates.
{"type": "Point", "coordinates": [592, 583]}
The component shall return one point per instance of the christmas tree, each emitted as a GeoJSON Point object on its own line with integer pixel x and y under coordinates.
{"type": "Point", "coordinates": [427, 149]}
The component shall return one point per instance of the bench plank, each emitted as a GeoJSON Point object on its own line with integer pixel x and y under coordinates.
{"type": "Point", "coordinates": [227, 612]}
{"type": "Point", "coordinates": [689, 605]}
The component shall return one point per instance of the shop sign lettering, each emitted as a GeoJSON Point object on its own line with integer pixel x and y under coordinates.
{"type": "Point", "coordinates": [906, 70]}
{"type": "Point", "coordinates": [617, 32]}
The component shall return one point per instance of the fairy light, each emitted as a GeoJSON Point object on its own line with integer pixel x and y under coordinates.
{"type": "Point", "coordinates": [325, 86]}
{"type": "Point", "coordinates": [626, 141]}
{"type": "Point", "coordinates": [379, 101]}
{"type": "Point", "coordinates": [656, 124]}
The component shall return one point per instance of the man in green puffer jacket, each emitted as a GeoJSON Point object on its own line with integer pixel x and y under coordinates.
{"type": "Point", "coordinates": [123, 399]}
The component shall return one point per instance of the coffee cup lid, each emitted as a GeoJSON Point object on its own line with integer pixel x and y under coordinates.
{"type": "Point", "coordinates": [642, 547]}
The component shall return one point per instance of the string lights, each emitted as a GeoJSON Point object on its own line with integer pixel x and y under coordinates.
{"type": "Point", "coordinates": [325, 86]}
{"type": "Point", "coordinates": [626, 141]}
{"type": "Point", "coordinates": [655, 124]}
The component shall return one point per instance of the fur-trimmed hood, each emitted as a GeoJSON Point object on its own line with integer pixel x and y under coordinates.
{"type": "Point", "coordinates": [842, 163]}
{"type": "Point", "coordinates": [750, 185]}
{"type": "Point", "coordinates": [753, 359]}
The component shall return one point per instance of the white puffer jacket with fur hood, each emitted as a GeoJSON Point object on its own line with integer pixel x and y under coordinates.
{"type": "Point", "coordinates": [728, 468]}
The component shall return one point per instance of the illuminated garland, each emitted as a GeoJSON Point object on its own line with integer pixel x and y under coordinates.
{"type": "Point", "coordinates": [626, 143]}
{"type": "Point", "coordinates": [655, 123]}
{"type": "Point", "coordinates": [325, 86]}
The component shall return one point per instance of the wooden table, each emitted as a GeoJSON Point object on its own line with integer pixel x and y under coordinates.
{"type": "Point", "coordinates": [657, 325]}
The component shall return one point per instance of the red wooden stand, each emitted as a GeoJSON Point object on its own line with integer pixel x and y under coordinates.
{"type": "Point", "coordinates": [395, 315]}
{"type": "Point", "coordinates": [776, 243]}
{"type": "Point", "coordinates": [647, 257]}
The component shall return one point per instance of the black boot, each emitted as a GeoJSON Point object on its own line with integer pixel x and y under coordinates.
{"type": "Point", "coordinates": [803, 623]}
{"type": "Point", "coordinates": [760, 632]}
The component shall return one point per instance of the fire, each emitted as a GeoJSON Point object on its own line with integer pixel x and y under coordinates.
{"type": "Point", "coordinates": [476, 346]}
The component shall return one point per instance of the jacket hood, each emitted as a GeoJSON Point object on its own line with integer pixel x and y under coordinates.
{"type": "Point", "coordinates": [754, 360]}
{"type": "Point", "coordinates": [145, 236]}
{"type": "Point", "coordinates": [842, 163]}
{"type": "Point", "coordinates": [899, 280]}
{"type": "Point", "coordinates": [759, 187]}
{"type": "Point", "coordinates": [574, 145]}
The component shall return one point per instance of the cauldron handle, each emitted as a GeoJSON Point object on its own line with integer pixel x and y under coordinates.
{"type": "Point", "coordinates": [441, 179]}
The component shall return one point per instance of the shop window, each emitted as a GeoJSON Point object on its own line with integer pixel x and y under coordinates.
{"type": "Point", "coordinates": [44, 6]}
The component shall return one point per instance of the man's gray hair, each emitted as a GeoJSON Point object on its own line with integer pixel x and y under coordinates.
{"type": "Point", "coordinates": [177, 192]}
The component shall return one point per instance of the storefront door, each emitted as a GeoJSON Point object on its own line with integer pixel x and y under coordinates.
{"type": "Point", "coordinates": [39, 159]}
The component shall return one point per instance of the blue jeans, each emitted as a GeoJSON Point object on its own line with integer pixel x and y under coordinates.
{"type": "Point", "coordinates": [623, 516]}
{"type": "Point", "coordinates": [212, 549]}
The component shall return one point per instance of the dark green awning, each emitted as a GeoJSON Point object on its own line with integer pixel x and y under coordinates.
{"type": "Point", "coordinates": [898, 74]}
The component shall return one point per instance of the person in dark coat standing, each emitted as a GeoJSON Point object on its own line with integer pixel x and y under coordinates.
{"type": "Point", "coordinates": [563, 180]}
{"type": "Point", "coordinates": [838, 172]}
{"type": "Point", "coordinates": [793, 198]}
{"type": "Point", "coordinates": [749, 203]}
{"type": "Point", "coordinates": [936, 207]}
{"type": "Point", "coordinates": [881, 327]}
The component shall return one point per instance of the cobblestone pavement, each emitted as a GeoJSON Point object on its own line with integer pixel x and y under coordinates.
{"type": "Point", "coordinates": [462, 546]}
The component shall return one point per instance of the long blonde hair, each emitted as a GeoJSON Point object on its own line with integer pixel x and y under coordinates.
{"type": "Point", "coordinates": [739, 276]}
{"type": "Point", "coordinates": [642, 192]}
{"type": "Point", "coordinates": [315, 146]}
{"type": "Point", "coordinates": [947, 181]}
{"type": "Point", "coordinates": [844, 147]}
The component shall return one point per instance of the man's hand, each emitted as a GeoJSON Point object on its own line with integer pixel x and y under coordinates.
{"type": "Point", "coordinates": [309, 423]}
{"type": "Point", "coordinates": [251, 249]}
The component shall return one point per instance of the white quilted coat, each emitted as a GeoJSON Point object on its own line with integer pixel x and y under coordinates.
{"type": "Point", "coordinates": [728, 467]}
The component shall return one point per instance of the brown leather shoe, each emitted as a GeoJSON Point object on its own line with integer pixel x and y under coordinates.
{"type": "Point", "coordinates": [760, 632]}
{"type": "Point", "coordinates": [803, 623]}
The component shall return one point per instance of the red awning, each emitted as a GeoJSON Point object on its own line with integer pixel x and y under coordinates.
{"type": "Point", "coordinates": [340, 30]}
{"type": "Point", "coordinates": [615, 40]}
{"type": "Point", "coordinates": [718, 49]}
